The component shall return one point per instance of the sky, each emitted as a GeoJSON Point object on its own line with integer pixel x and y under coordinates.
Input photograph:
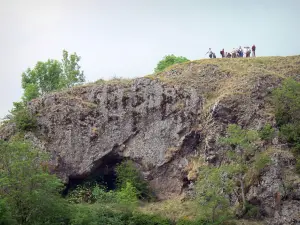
{"type": "Point", "coordinates": [126, 38]}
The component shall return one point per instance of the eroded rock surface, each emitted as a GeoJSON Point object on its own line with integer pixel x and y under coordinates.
{"type": "Point", "coordinates": [160, 126]}
{"type": "Point", "coordinates": [146, 121]}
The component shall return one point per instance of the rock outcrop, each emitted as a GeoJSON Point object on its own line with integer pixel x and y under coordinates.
{"type": "Point", "coordinates": [146, 121]}
{"type": "Point", "coordinates": [163, 121]}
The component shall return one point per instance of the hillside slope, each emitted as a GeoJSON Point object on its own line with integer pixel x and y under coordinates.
{"type": "Point", "coordinates": [164, 121]}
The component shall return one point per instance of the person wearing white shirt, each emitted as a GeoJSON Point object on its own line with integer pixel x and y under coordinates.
{"type": "Point", "coordinates": [210, 53]}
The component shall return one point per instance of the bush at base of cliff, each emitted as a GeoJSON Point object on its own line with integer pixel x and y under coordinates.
{"type": "Point", "coordinates": [128, 173]}
{"type": "Point", "coordinates": [201, 221]}
{"type": "Point", "coordinates": [82, 194]}
{"type": "Point", "coordinates": [145, 219]}
{"type": "Point", "coordinates": [30, 193]}
{"type": "Point", "coordinates": [83, 214]}
{"type": "Point", "coordinates": [5, 214]}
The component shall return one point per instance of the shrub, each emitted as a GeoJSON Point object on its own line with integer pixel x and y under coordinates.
{"type": "Point", "coordinates": [127, 196]}
{"type": "Point", "coordinates": [101, 195]}
{"type": "Point", "coordinates": [33, 196]}
{"type": "Point", "coordinates": [5, 214]}
{"type": "Point", "coordinates": [267, 133]}
{"type": "Point", "coordinates": [291, 133]}
{"type": "Point", "coordinates": [23, 119]}
{"type": "Point", "coordinates": [201, 221]}
{"type": "Point", "coordinates": [145, 219]}
{"type": "Point", "coordinates": [252, 211]}
{"type": "Point", "coordinates": [128, 173]}
{"type": "Point", "coordinates": [286, 100]}
{"type": "Point", "coordinates": [169, 60]}
{"type": "Point", "coordinates": [97, 214]}
{"type": "Point", "coordinates": [186, 222]}
{"type": "Point", "coordinates": [82, 193]}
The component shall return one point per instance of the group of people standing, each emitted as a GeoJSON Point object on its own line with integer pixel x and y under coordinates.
{"type": "Point", "coordinates": [236, 52]}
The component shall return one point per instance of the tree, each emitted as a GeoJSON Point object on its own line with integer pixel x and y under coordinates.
{"type": "Point", "coordinates": [29, 191]}
{"type": "Point", "coordinates": [46, 77]}
{"type": "Point", "coordinates": [52, 75]}
{"type": "Point", "coordinates": [241, 143]}
{"type": "Point", "coordinates": [213, 187]}
{"type": "Point", "coordinates": [127, 196]}
{"type": "Point", "coordinates": [169, 60]}
{"type": "Point", "coordinates": [128, 173]}
{"type": "Point", "coordinates": [72, 74]}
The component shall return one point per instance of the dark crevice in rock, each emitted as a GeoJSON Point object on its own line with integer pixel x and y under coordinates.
{"type": "Point", "coordinates": [103, 174]}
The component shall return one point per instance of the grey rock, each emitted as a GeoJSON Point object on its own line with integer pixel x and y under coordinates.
{"type": "Point", "coordinates": [147, 121]}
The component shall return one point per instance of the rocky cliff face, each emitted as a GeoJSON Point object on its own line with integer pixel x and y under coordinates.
{"type": "Point", "coordinates": [163, 121]}
{"type": "Point", "coordinates": [92, 127]}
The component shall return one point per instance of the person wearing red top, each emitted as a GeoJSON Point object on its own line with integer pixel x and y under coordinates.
{"type": "Point", "coordinates": [222, 53]}
{"type": "Point", "coordinates": [253, 50]}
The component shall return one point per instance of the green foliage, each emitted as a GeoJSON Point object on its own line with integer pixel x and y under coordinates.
{"type": "Point", "coordinates": [186, 222]}
{"type": "Point", "coordinates": [128, 173]}
{"type": "Point", "coordinates": [169, 60]}
{"type": "Point", "coordinates": [267, 133]}
{"type": "Point", "coordinates": [261, 161]}
{"type": "Point", "coordinates": [103, 196]}
{"type": "Point", "coordinates": [212, 189]}
{"type": "Point", "coordinates": [5, 214]}
{"type": "Point", "coordinates": [145, 219]}
{"type": "Point", "coordinates": [291, 133]}
{"type": "Point", "coordinates": [51, 75]}
{"type": "Point", "coordinates": [252, 211]}
{"type": "Point", "coordinates": [45, 76]}
{"type": "Point", "coordinates": [30, 92]}
{"type": "Point", "coordinates": [240, 139]}
{"type": "Point", "coordinates": [22, 118]}
{"type": "Point", "coordinates": [128, 196]}
{"type": "Point", "coordinates": [242, 144]}
{"type": "Point", "coordinates": [82, 194]}
{"type": "Point", "coordinates": [286, 100]}
{"type": "Point", "coordinates": [72, 74]}
{"type": "Point", "coordinates": [97, 214]}
{"type": "Point", "coordinates": [221, 220]}
{"type": "Point", "coordinates": [29, 191]}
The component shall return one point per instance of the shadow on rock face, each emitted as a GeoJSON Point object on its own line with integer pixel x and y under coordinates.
{"type": "Point", "coordinates": [103, 174]}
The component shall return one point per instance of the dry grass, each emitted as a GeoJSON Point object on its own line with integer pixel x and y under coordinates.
{"type": "Point", "coordinates": [227, 75]}
{"type": "Point", "coordinates": [217, 78]}
{"type": "Point", "coordinates": [173, 209]}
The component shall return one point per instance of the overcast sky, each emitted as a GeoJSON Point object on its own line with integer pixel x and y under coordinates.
{"type": "Point", "coordinates": [128, 37]}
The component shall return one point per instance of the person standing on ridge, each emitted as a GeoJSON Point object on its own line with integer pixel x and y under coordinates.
{"type": "Point", "coordinates": [222, 53]}
{"type": "Point", "coordinates": [247, 51]}
{"type": "Point", "coordinates": [253, 50]}
{"type": "Point", "coordinates": [240, 52]}
{"type": "Point", "coordinates": [210, 53]}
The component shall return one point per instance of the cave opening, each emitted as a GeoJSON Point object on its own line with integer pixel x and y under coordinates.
{"type": "Point", "coordinates": [103, 174]}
